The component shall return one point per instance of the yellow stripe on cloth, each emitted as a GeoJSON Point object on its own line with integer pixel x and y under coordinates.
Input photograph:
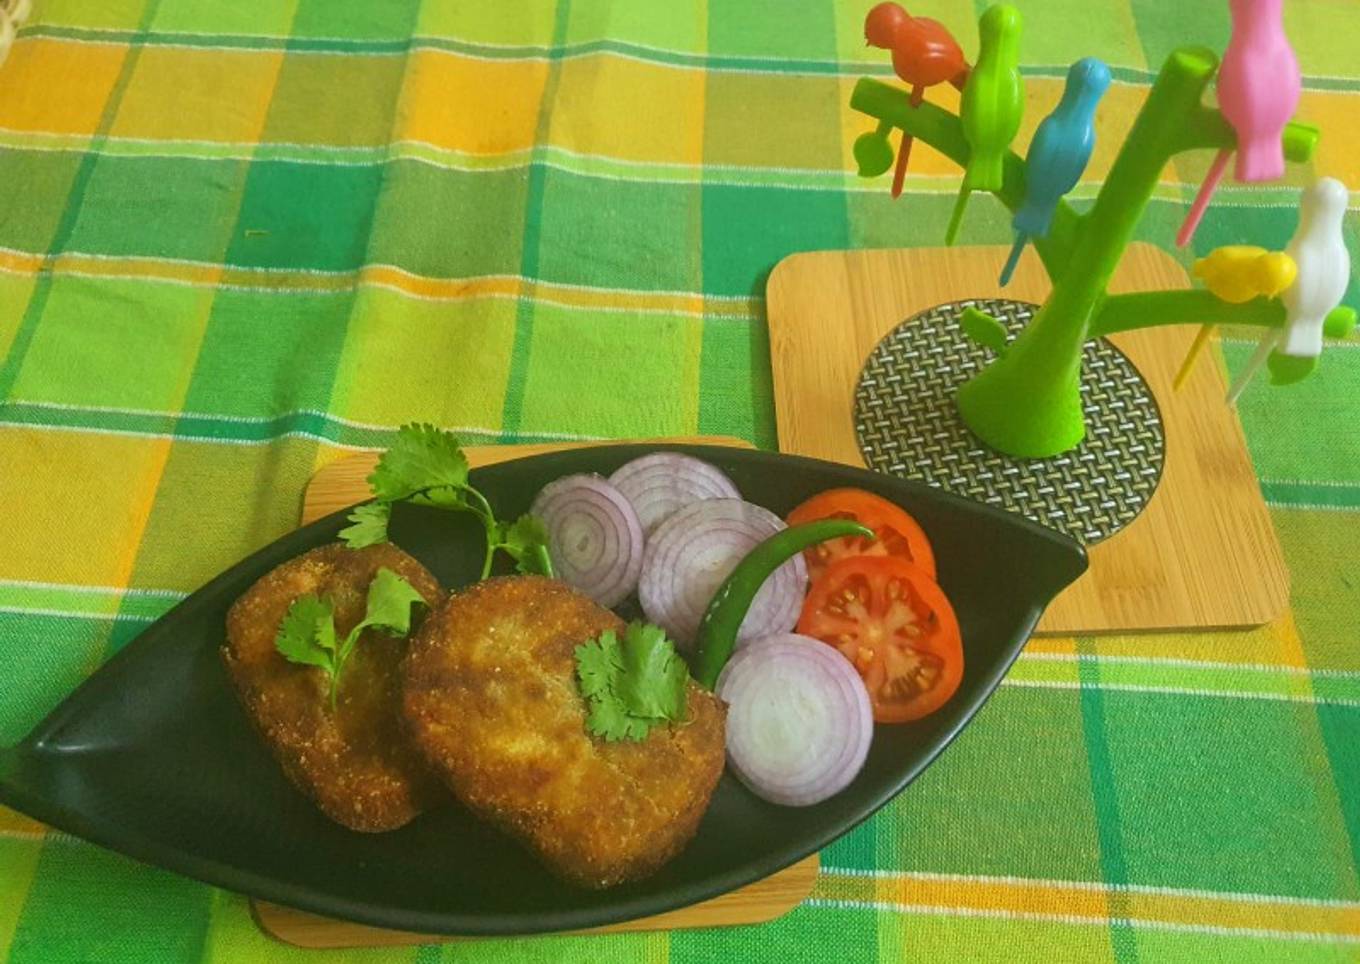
{"type": "Point", "coordinates": [201, 274]}
{"type": "Point", "coordinates": [112, 478]}
{"type": "Point", "coordinates": [58, 87]}
{"type": "Point", "coordinates": [15, 825]}
{"type": "Point", "coordinates": [179, 94]}
{"type": "Point", "coordinates": [1081, 902]}
{"type": "Point", "coordinates": [464, 104]}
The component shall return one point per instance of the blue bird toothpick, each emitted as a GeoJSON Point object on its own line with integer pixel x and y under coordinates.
{"type": "Point", "coordinates": [1058, 154]}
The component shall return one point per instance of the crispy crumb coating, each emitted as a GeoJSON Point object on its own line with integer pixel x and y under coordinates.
{"type": "Point", "coordinates": [490, 696]}
{"type": "Point", "coordinates": [356, 762]}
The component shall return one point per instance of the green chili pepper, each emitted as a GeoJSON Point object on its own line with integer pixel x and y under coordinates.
{"type": "Point", "coordinates": [718, 630]}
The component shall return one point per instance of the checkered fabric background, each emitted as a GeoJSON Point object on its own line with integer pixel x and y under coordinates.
{"type": "Point", "coordinates": [241, 240]}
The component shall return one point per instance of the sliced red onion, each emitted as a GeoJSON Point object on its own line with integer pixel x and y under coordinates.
{"type": "Point", "coordinates": [799, 722]}
{"type": "Point", "coordinates": [690, 554]}
{"type": "Point", "coordinates": [660, 484]}
{"type": "Point", "coordinates": [594, 536]}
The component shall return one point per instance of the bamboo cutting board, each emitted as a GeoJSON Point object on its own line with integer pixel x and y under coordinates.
{"type": "Point", "coordinates": [1203, 554]}
{"type": "Point", "coordinates": [344, 483]}
{"type": "Point", "coordinates": [754, 904]}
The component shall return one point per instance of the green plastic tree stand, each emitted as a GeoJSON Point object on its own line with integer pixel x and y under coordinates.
{"type": "Point", "coordinates": [1026, 403]}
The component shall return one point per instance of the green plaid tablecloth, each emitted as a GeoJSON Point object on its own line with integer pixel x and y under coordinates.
{"type": "Point", "coordinates": [241, 240]}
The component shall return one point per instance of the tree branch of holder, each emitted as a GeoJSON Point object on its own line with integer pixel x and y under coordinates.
{"type": "Point", "coordinates": [1153, 309]}
{"type": "Point", "coordinates": [1208, 129]}
{"type": "Point", "coordinates": [941, 130]}
{"type": "Point", "coordinates": [1027, 402]}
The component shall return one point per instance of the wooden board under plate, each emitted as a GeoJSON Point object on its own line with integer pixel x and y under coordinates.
{"type": "Point", "coordinates": [342, 484]}
{"type": "Point", "coordinates": [756, 903]}
{"type": "Point", "coordinates": [1203, 554]}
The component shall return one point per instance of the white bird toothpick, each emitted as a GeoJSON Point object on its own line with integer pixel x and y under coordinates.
{"type": "Point", "coordinates": [6, 35]}
{"type": "Point", "coordinates": [19, 11]}
{"type": "Point", "coordinates": [1324, 267]}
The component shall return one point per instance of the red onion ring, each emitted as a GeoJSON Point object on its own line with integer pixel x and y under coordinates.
{"type": "Point", "coordinates": [692, 552]}
{"type": "Point", "coordinates": [660, 484]}
{"type": "Point", "coordinates": [799, 721]}
{"type": "Point", "coordinates": [594, 536]}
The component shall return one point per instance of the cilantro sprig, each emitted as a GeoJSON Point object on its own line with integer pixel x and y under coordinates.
{"type": "Point", "coordinates": [307, 634]}
{"type": "Point", "coordinates": [631, 684]}
{"type": "Point", "coordinates": [426, 466]}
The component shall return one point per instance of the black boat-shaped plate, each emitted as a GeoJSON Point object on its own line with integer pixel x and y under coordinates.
{"type": "Point", "coordinates": [153, 757]}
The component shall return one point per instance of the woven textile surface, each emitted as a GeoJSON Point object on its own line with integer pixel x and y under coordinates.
{"type": "Point", "coordinates": [239, 241]}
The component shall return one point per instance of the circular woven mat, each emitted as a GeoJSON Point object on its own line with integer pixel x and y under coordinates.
{"type": "Point", "coordinates": [908, 426]}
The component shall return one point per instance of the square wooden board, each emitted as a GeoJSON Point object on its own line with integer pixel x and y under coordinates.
{"type": "Point", "coordinates": [1203, 554]}
{"type": "Point", "coordinates": [340, 485]}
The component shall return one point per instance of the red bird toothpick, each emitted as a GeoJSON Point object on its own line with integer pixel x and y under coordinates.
{"type": "Point", "coordinates": [924, 53]}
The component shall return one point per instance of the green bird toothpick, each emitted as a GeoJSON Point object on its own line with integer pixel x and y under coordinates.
{"type": "Point", "coordinates": [993, 102]}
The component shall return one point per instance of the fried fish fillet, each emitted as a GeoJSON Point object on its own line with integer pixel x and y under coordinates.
{"type": "Point", "coordinates": [356, 762]}
{"type": "Point", "coordinates": [490, 696]}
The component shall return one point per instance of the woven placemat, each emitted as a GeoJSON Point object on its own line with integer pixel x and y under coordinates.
{"type": "Point", "coordinates": [907, 425]}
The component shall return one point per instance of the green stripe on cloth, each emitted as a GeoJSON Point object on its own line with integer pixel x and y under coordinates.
{"type": "Point", "coordinates": [1104, 792]}
{"type": "Point", "coordinates": [1341, 735]}
{"type": "Point", "coordinates": [144, 914]}
{"type": "Point", "coordinates": [753, 174]}
{"type": "Point", "coordinates": [233, 937]}
{"type": "Point", "coordinates": [746, 230]}
{"type": "Point", "coordinates": [323, 220]}
{"type": "Point", "coordinates": [561, 50]}
{"type": "Point", "coordinates": [1227, 680]}
{"type": "Point", "coordinates": [813, 931]}
{"type": "Point", "coordinates": [67, 225]}
{"type": "Point", "coordinates": [532, 243]}
{"type": "Point", "coordinates": [95, 602]}
{"type": "Point", "coordinates": [19, 858]}
{"type": "Point", "coordinates": [47, 654]}
{"type": "Point", "coordinates": [1313, 495]}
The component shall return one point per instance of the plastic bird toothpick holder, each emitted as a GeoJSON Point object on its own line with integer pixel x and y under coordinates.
{"type": "Point", "coordinates": [1058, 155]}
{"type": "Point", "coordinates": [991, 108]}
{"type": "Point", "coordinates": [1258, 90]}
{"type": "Point", "coordinates": [1026, 402]}
{"type": "Point", "coordinates": [924, 53]}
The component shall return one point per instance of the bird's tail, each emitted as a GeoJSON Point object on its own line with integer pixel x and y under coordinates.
{"type": "Point", "coordinates": [1303, 337]}
{"type": "Point", "coordinates": [1009, 269]}
{"type": "Point", "coordinates": [1260, 159]}
{"type": "Point", "coordinates": [986, 172]}
{"type": "Point", "coordinates": [956, 218]}
{"type": "Point", "coordinates": [1273, 273]}
{"type": "Point", "coordinates": [1033, 220]}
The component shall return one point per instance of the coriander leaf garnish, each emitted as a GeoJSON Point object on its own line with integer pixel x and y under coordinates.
{"type": "Point", "coordinates": [307, 634]}
{"type": "Point", "coordinates": [652, 683]}
{"type": "Point", "coordinates": [426, 466]}
{"type": "Point", "coordinates": [597, 663]}
{"type": "Point", "coordinates": [607, 719]}
{"type": "Point", "coordinates": [526, 541]}
{"type": "Point", "coordinates": [299, 638]}
{"type": "Point", "coordinates": [390, 599]}
{"type": "Point", "coordinates": [633, 684]}
{"type": "Point", "coordinates": [370, 525]}
{"type": "Point", "coordinates": [422, 458]}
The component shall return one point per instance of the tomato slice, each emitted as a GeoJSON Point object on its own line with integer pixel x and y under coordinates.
{"type": "Point", "coordinates": [894, 623]}
{"type": "Point", "coordinates": [899, 535]}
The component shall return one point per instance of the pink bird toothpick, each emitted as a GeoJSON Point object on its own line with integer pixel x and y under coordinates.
{"type": "Point", "coordinates": [1258, 91]}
